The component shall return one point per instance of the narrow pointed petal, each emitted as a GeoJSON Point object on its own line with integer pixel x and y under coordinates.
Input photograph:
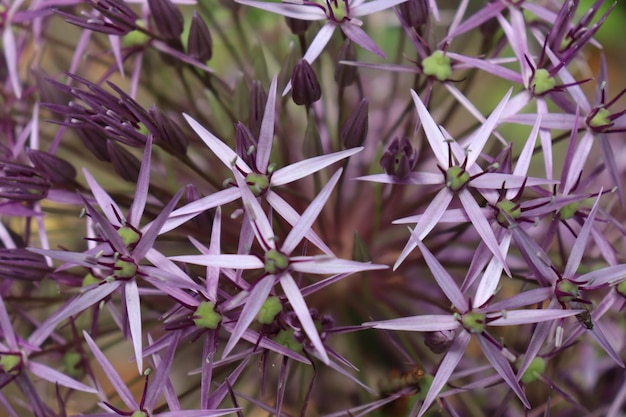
{"type": "Point", "coordinates": [326, 265]}
{"type": "Point", "coordinates": [133, 309]}
{"type": "Point", "coordinates": [150, 234]}
{"type": "Point", "coordinates": [425, 323]}
{"type": "Point", "coordinates": [309, 166]}
{"type": "Point", "coordinates": [374, 6]}
{"type": "Point", "coordinates": [491, 278]}
{"type": "Point", "coordinates": [120, 386]}
{"type": "Point", "coordinates": [222, 261]}
{"type": "Point", "coordinates": [523, 161]}
{"type": "Point", "coordinates": [477, 141]}
{"type": "Point", "coordinates": [429, 220]}
{"type": "Point", "coordinates": [502, 366]}
{"type": "Point", "coordinates": [482, 226]}
{"type": "Point", "coordinates": [106, 203]}
{"type": "Point", "coordinates": [261, 224]}
{"type": "Point", "coordinates": [599, 337]}
{"type": "Point", "coordinates": [302, 311]}
{"type": "Point", "coordinates": [445, 281]}
{"type": "Point", "coordinates": [517, 317]}
{"type": "Point", "coordinates": [295, 11]}
{"type": "Point", "coordinates": [288, 213]}
{"type": "Point", "coordinates": [435, 138]}
{"type": "Point", "coordinates": [313, 210]}
{"type": "Point", "coordinates": [266, 134]}
{"type": "Point", "coordinates": [143, 183]}
{"type": "Point", "coordinates": [161, 376]}
{"type": "Point", "coordinates": [447, 366]}
{"type": "Point", "coordinates": [56, 377]}
{"type": "Point", "coordinates": [254, 302]}
{"type": "Point", "coordinates": [219, 148]}
{"type": "Point", "coordinates": [578, 250]}
{"type": "Point", "coordinates": [7, 327]}
{"type": "Point", "coordinates": [361, 38]}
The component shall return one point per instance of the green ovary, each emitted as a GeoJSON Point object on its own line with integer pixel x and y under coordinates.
{"type": "Point", "coordinates": [456, 178]}
{"type": "Point", "coordinates": [270, 309]}
{"type": "Point", "coordinates": [275, 261]}
{"type": "Point", "coordinates": [535, 369]}
{"type": "Point", "coordinates": [129, 236]}
{"type": "Point", "coordinates": [601, 118]}
{"type": "Point", "coordinates": [474, 322]}
{"type": "Point", "coordinates": [285, 338]}
{"type": "Point", "coordinates": [258, 183]}
{"type": "Point", "coordinates": [339, 11]}
{"type": "Point", "coordinates": [205, 316]}
{"type": "Point", "coordinates": [139, 413]}
{"type": "Point", "coordinates": [542, 81]}
{"type": "Point", "coordinates": [566, 291]}
{"type": "Point", "coordinates": [125, 269]}
{"type": "Point", "coordinates": [437, 65]}
{"type": "Point", "coordinates": [10, 364]}
{"type": "Point", "coordinates": [512, 209]}
{"type": "Point", "coordinates": [568, 211]}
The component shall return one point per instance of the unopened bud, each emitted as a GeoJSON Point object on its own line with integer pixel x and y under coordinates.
{"type": "Point", "coordinates": [415, 12]}
{"type": "Point", "coordinates": [53, 168]}
{"type": "Point", "coordinates": [199, 42]}
{"type": "Point", "coordinates": [354, 130]}
{"type": "Point", "coordinates": [124, 163]}
{"type": "Point", "coordinates": [297, 26]}
{"type": "Point", "coordinates": [167, 18]}
{"type": "Point", "coordinates": [306, 89]}
{"type": "Point", "coordinates": [439, 341]}
{"type": "Point", "coordinates": [258, 98]}
{"type": "Point", "coordinates": [22, 182]}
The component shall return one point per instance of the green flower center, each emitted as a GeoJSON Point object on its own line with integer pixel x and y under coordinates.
{"type": "Point", "coordinates": [535, 369]}
{"type": "Point", "coordinates": [601, 118]}
{"type": "Point", "coordinates": [129, 236]}
{"type": "Point", "coordinates": [568, 211]}
{"type": "Point", "coordinates": [456, 178]}
{"type": "Point", "coordinates": [89, 279]}
{"type": "Point", "coordinates": [542, 82]}
{"type": "Point", "coordinates": [275, 262]}
{"type": "Point", "coordinates": [474, 322]}
{"type": "Point", "coordinates": [258, 183]}
{"type": "Point", "coordinates": [621, 289]}
{"type": "Point", "coordinates": [139, 413]}
{"type": "Point", "coordinates": [338, 11]}
{"type": "Point", "coordinates": [11, 364]}
{"type": "Point", "coordinates": [125, 269]}
{"type": "Point", "coordinates": [437, 65]}
{"type": "Point", "coordinates": [508, 207]}
{"type": "Point", "coordinates": [136, 37]}
{"type": "Point", "coordinates": [285, 338]}
{"type": "Point", "coordinates": [205, 316]}
{"type": "Point", "coordinates": [270, 309]}
{"type": "Point", "coordinates": [566, 291]}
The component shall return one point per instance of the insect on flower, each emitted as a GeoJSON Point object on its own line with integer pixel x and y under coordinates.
{"type": "Point", "coordinates": [396, 382]}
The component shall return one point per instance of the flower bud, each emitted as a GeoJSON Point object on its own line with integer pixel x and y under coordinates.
{"type": "Point", "coordinates": [297, 26]}
{"type": "Point", "coordinates": [168, 133]}
{"type": "Point", "coordinates": [399, 159]}
{"type": "Point", "coordinates": [346, 75]}
{"type": "Point", "coordinates": [258, 99]}
{"type": "Point", "coordinates": [167, 18]}
{"type": "Point", "coordinates": [124, 163]}
{"type": "Point", "coordinates": [415, 13]}
{"type": "Point", "coordinates": [199, 42]}
{"type": "Point", "coordinates": [354, 130]}
{"type": "Point", "coordinates": [439, 341]}
{"type": "Point", "coordinates": [306, 89]}
{"type": "Point", "coordinates": [53, 168]}
{"type": "Point", "coordinates": [21, 264]}
{"type": "Point", "coordinates": [22, 182]}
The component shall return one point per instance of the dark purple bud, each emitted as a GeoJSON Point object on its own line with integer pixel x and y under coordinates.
{"type": "Point", "coordinates": [399, 159]}
{"type": "Point", "coordinates": [306, 89]}
{"type": "Point", "coordinates": [167, 133]}
{"type": "Point", "coordinates": [258, 98]}
{"type": "Point", "coordinates": [124, 163]}
{"type": "Point", "coordinates": [167, 18]}
{"type": "Point", "coordinates": [415, 13]}
{"type": "Point", "coordinates": [21, 264]}
{"type": "Point", "coordinates": [345, 75]}
{"type": "Point", "coordinates": [354, 130]}
{"type": "Point", "coordinates": [115, 18]}
{"type": "Point", "coordinates": [297, 26]}
{"type": "Point", "coordinates": [53, 168]}
{"type": "Point", "coordinates": [96, 142]}
{"type": "Point", "coordinates": [245, 145]}
{"type": "Point", "coordinates": [439, 341]}
{"type": "Point", "coordinates": [22, 182]}
{"type": "Point", "coordinates": [199, 42]}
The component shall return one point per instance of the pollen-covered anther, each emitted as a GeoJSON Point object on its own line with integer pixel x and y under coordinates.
{"type": "Point", "coordinates": [456, 178]}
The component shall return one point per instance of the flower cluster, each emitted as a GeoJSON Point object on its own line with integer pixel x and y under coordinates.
{"type": "Point", "coordinates": [312, 207]}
